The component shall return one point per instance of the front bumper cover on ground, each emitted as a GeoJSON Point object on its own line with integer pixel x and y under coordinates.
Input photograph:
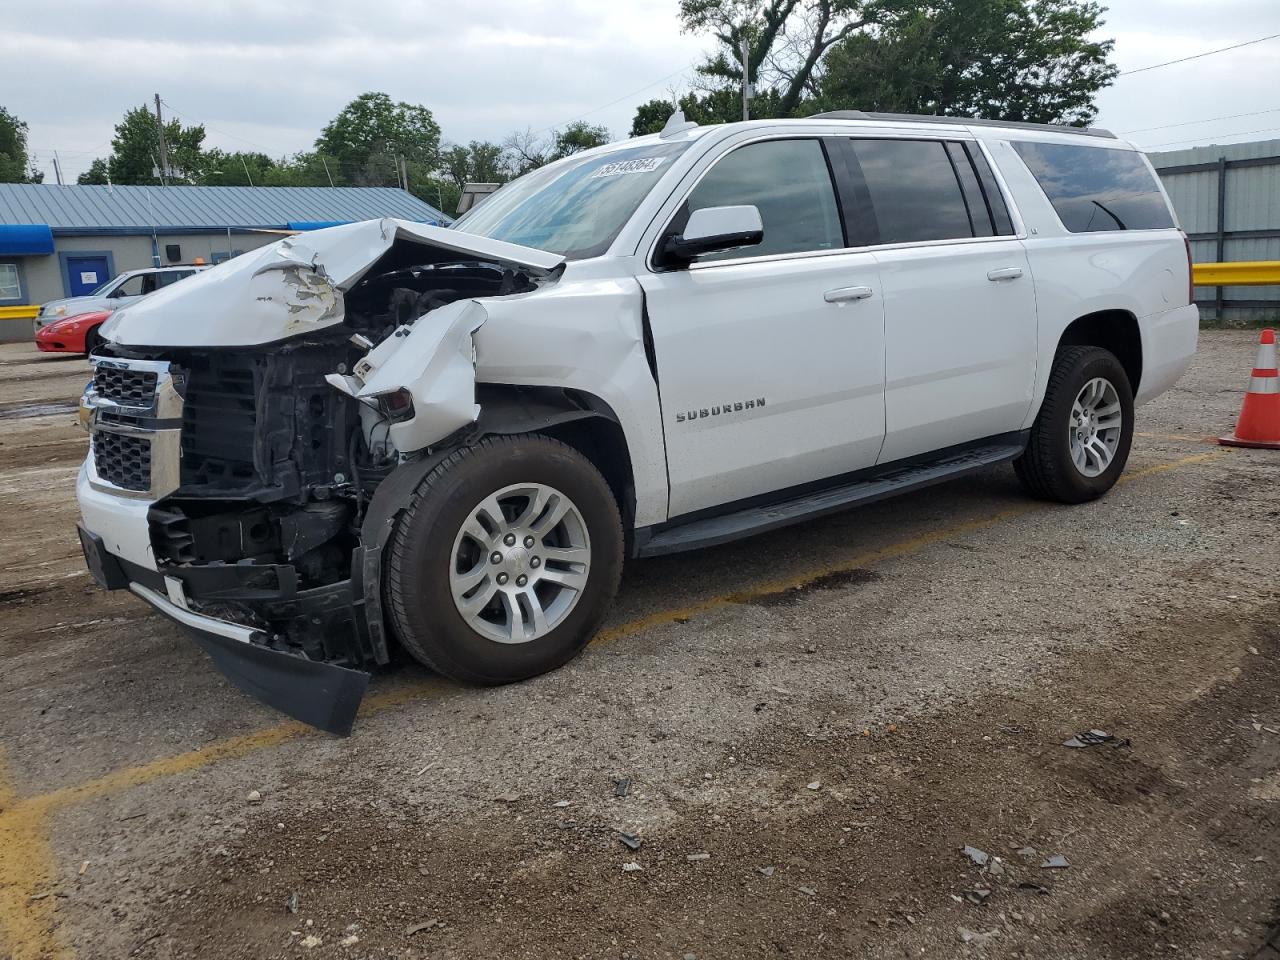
{"type": "Point", "coordinates": [323, 695]}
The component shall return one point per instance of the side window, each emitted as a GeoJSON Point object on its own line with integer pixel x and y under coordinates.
{"type": "Point", "coordinates": [10, 286]}
{"type": "Point", "coordinates": [789, 182]}
{"type": "Point", "coordinates": [172, 276]}
{"type": "Point", "coordinates": [130, 288]}
{"type": "Point", "coordinates": [1095, 188]}
{"type": "Point", "coordinates": [913, 189]}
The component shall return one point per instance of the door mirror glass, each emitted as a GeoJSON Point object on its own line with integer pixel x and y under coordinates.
{"type": "Point", "coordinates": [712, 230]}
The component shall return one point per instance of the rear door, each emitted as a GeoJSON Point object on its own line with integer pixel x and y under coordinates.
{"type": "Point", "coordinates": [771, 358]}
{"type": "Point", "coordinates": [959, 301]}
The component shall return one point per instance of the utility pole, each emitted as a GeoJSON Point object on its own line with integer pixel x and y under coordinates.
{"type": "Point", "coordinates": [404, 173]}
{"type": "Point", "coordinates": [247, 175]}
{"type": "Point", "coordinates": [57, 168]}
{"type": "Point", "coordinates": [746, 81]}
{"type": "Point", "coordinates": [326, 170]}
{"type": "Point", "coordinates": [164, 150]}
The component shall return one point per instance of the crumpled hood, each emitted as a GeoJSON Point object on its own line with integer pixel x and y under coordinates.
{"type": "Point", "coordinates": [291, 287]}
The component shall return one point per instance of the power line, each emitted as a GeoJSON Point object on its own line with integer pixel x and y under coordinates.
{"type": "Point", "coordinates": [612, 103]}
{"type": "Point", "coordinates": [1191, 123]}
{"type": "Point", "coordinates": [1197, 56]}
{"type": "Point", "coordinates": [1242, 133]}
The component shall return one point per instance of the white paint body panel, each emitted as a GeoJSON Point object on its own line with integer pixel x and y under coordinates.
{"type": "Point", "coordinates": [960, 349]}
{"type": "Point", "coordinates": [121, 522]}
{"type": "Point", "coordinates": [729, 334]}
{"type": "Point", "coordinates": [288, 288]}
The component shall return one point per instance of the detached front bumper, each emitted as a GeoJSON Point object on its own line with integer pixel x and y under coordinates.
{"type": "Point", "coordinates": [323, 695]}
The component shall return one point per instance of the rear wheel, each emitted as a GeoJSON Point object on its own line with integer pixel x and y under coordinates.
{"type": "Point", "coordinates": [506, 561]}
{"type": "Point", "coordinates": [1080, 440]}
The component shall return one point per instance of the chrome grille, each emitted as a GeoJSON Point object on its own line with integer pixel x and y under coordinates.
{"type": "Point", "coordinates": [133, 410]}
{"type": "Point", "coordinates": [129, 388]}
{"type": "Point", "coordinates": [123, 461]}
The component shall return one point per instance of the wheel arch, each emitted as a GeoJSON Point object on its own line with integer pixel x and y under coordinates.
{"type": "Point", "coordinates": [1114, 330]}
{"type": "Point", "coordinates": [574, 417]}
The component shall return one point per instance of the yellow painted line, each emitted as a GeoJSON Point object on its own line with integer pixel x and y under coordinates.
{"type": "Point", "coordinates": [26, 865]}
{"type": "Point", "coordinates": [27, 877]}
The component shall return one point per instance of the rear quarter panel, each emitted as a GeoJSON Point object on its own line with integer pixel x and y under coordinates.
{"type": "Point", "coordinates": [1141, 272]}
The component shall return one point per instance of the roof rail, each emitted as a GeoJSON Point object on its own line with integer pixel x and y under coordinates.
{"type": "Point", "coordinates": [964, 122]}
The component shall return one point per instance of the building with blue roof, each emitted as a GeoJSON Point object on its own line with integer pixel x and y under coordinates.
{"type": "Point", "coordinates": [58, 241]}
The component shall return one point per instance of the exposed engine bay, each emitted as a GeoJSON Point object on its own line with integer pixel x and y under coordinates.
{"type": "Point", "coordinates": [284, 444]}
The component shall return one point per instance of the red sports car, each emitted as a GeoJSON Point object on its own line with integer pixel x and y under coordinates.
{"type": "Point", "coordinates": [78, 334]}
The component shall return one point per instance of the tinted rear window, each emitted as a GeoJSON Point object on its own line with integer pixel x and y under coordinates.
{"type": "Point", "coordinates": [914, 191]}
{"type": "Point", "coordinates": [1095, 189]}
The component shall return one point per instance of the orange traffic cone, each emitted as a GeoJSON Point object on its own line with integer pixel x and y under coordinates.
{"type": "Point", "coordinates": [1259, 424]}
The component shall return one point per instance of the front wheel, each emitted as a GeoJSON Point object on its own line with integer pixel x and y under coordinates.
{"type": "Point", "coordinates": [1080, 440]}
{"type": "Point", "coordinates": [506, 561]}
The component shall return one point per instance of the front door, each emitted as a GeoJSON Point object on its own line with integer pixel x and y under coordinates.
{"type": "Point", "coordinates": [86, 274]}
{"type": "Point", "coordinates": [770, 358]}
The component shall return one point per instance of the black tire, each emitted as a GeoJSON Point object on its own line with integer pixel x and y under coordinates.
{"type": "Point", "coordinates": [1046, 468]}
{"type": "Point", "coordinates": [420, 606]}
{"type": "Point", "coordinates": [92, 340]}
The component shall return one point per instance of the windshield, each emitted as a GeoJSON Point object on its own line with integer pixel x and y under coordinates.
{"type": "Point", "coordinates": [107, 287]}
{"type": "Point", "coordinates": [574, 208]}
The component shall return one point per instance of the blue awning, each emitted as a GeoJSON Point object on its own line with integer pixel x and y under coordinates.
{"type": "Point", "coordinates": [25, 239]}
{"type": "Point", "coordinates": [315, 224]}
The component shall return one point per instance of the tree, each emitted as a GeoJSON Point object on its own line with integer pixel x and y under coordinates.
{"type": "Point", "coordinates": [136, 150]}
{"type": "Point", "coordinates": [576, 137]}
{"type": "Point", "coordinates": [221, 169]}
{"type": "Point", "coordinates": [371, 133]}
{"type": "Point", "coordinates": [786, 41]}
{"type": "Point", "coordinates": [96, 174]}
{"type": "Point", "coordinates": [15, 165]}
{"type": "Point", "coordinates": [477, 162]}
{"type": "Point", "coordinates": [1023, 60]}
{"type": "Point", "coordinates": [716, 106]}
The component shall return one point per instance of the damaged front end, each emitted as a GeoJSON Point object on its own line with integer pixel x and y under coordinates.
{"type": "Point", "coordinates": [244, 422]}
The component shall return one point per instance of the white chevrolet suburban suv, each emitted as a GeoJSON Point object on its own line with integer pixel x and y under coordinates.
{"type": "Point", "coordinates": [449, 439]}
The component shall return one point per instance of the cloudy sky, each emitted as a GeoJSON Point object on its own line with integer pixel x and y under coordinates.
{"type": "Point", "coordinates": [267, 75]}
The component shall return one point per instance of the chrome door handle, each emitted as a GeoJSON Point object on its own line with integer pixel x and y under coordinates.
{"type": "Point", "coordinates": [1008, 273]}
{"type": "Point", "coordinates": [842, 294]}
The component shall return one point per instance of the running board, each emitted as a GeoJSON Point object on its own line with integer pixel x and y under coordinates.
{"type": "Point", "coordinates": [753, 520]}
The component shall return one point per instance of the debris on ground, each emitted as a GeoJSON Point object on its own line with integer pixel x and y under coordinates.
{"type": "Point", "coordinates": [1028, 853]}
{"type": "Point", "coordinates": [631, 867]}
{"type": "Point", "coordinates": [1094, 738]}
{"type": "Point", "coordinates": [996, 867]}
{"type": "Point", "coordinates": [350, 940]}
{"type": "Point", "coordinates": [507, 797]}
{"type": "Point", "coordinates": [808, 891]}
{"type": "Point", "coordinates": [816, 785]}
{"type": "Point", "coordinates": [621, 786]}
{"type": "Point", "coordinates": [1034, 888]}
{"type": "Point", "coordinates": [698, 856]}
{"type": "Point", "coordinates": [311, 941]}
{"type": "Point", "coordinates": [413, 928]}
{"type": "Point", "coordinates": [979, 857]}
{"type": "Point", "coordinates": [975, 937]}
{"type": "Point", "coordinates": [765, 871]}
{"type": "Point", "coordinates": [254, 796]}
{"type": "Point", "coordinates": [291, 905]}
{"type": "Point", "coordinates": [1056, 862]}
{"type": "Point", "coordinates": [561, 803]}
{"type": "Point", "coordinates": [977, 896]}
{"type": "Point", "coordinates": [630, 841]}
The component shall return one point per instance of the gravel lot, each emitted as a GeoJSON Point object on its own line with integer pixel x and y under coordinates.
{"type": "Point", "coordinates": [828, 714]}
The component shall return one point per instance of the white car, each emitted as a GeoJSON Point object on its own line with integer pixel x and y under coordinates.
{"type": "Point", "coordinates": [119, 291]}
{"type": "Point", "coordinates": [450, 439]}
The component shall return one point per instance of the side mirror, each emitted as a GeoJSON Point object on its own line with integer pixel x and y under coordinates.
{"type": "Point", "coordinates": [713, 229]}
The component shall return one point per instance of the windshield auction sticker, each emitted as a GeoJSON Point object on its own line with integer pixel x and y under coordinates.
{"type": "Point", "coordinates": [620, 167]}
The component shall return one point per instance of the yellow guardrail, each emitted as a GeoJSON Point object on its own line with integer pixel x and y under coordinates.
{"type": "Point", "coordinates": [1255, 273]}
{"type": "Point", "coordinates": [19, 313]}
